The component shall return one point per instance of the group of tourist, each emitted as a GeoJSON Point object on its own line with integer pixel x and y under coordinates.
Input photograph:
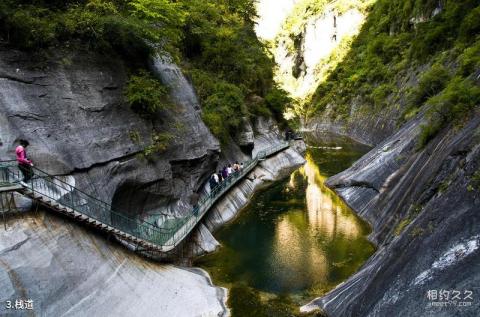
{"type": "Point", "coordinates": [223, 175]}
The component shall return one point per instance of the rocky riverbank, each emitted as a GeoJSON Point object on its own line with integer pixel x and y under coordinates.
{"type": "Point", "coordinates": [423, 206]}
{"type": "Point", "coordinates": [69, 270]}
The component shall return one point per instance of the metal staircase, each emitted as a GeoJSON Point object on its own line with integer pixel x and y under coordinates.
{"type": "Point", "coordinates": [62, 197]}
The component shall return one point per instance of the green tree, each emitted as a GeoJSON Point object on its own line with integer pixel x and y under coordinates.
{"type": "Point", "coordinates": [145, 94]}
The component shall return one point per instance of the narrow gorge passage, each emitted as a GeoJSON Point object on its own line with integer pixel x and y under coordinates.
{"type": "Point", "coordinates": [150, 107]}
{"type": "Point", "coordinates": [297, 238]}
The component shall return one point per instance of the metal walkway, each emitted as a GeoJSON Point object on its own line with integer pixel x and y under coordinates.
{"type": "Point", "coordinates": [64, 198]}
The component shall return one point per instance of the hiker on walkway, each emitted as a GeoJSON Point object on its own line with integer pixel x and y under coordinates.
{"type": "Point", "coordinates": [24, 164]}
{"type": "Point", "coordinates": [224, 173]}
{"type": "Point", "coordinates": [220, 177]}
{"type": "Point", "coordinates": [216, 180]}
{"type": "Point", "coordinates": [289, 135]}
{"type": "Point", "coordinates": [236, 167]}
{"type": "Point", "coordinates": [212, 182]}
{"type": "Point", "coordinates": [229, 169]}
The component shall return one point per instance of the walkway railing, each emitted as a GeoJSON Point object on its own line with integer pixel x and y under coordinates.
{"type": "Point", "coordinates": [166, 237]}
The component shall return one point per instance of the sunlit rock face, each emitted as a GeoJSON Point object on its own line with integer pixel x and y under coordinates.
{"type": "Point", "coordinates": [271, 15]}
{"type": "Point", "coordinates": [320, 40]}
{"type": "Point", "coordinates": [305, 54]}
{"type": "Point", "coordinates": [325, 209]}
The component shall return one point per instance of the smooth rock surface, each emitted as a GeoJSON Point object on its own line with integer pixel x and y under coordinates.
{"type": "Point", "coordinates": [72, 110]}
{"type": "Point", "coordinates": [424, 206]}
{"type": "Point", "coordinates": [68, 270]}
{"type": "Point", "coordinates": [302, 49]}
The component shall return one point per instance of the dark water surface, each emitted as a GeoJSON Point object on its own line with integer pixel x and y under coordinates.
{"type": "Point", "coordinates": [296, 238]}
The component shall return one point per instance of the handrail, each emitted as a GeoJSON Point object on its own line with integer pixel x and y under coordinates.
{"type": "Point", "coordinates": [168, 235]}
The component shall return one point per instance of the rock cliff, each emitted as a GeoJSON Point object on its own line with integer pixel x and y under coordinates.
{"type": "Point", "coordinates": [70, 107]}
{"type": "Point", "coordinates": [424, 208]}
{"type": "Point", "coordinates": [305, 37]}
{"type": "Point", "coordinates": [72, 111]}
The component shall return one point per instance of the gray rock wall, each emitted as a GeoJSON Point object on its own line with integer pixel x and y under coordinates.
{"type": "Point", "coordinates": [361, 126]}
{"type": "Point", "coordinates": [424, 207]}
{"type": "Point", "coordinates": [71, 108]}
{"type": "Point", "coordinates": [68, 270]}
{"type": "Point", "coordinates": [365, 122]}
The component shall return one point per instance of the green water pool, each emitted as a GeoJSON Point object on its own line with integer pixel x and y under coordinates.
{"type": "Point", "coordinates": [296, 239]}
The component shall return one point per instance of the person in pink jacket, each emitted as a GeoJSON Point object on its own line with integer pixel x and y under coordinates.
{"type": "Point", "coordinates": [24, 164]}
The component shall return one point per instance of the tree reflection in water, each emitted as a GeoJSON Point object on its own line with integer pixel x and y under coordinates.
{"type": "Point", "coordinates": [296, 237]}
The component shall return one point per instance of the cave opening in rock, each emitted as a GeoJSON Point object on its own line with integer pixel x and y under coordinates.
{"type": "Point", "coordinates": [136, 200]}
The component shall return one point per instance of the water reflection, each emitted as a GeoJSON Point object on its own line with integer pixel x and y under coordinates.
{"type": "Point", "coordinates": [297, 237]}
{"type": "Point", "coordinates": [326, 211]}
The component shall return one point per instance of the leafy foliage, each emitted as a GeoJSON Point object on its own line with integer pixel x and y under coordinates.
{"type": "Point", "coordinates": [160, 142]}
{"type": "Point", "coordinates": [103, 25]}
{"type": "Point", "coordinates": [31, 28]}
{"type": "Point", "coordinates": [219, 38]}
{"type": "Point", "coordinates": [470, 27]}
{"type": "Point", "coordinates": [430, 84]}
{"type": "Point", "coordinates": [454, 104]}
{"type": "Point", "coordinates": [222, 102]}
{"type": "Point", "coordinates": [470, 59]}
{"type": "Point", "coordinates": [475, 181]}
{"type": "Point", "coordinates": [229, 65]}
{"type": "Point", "coordinates": [398, 37]}
{"type": "Point", "coordinates": [380, 93]}
{"type": "Point", "coordinates": [145, 94]}
{"type": "Point", "coordinates": [223, 109]}
{"type": "Point", "coordinates": [276, 99]}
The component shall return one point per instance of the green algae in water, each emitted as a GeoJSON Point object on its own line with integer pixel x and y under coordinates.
{"type": "Point", "coordinates": [295, 241]}
{"type": "Point", "coordinates": [245, 301]}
